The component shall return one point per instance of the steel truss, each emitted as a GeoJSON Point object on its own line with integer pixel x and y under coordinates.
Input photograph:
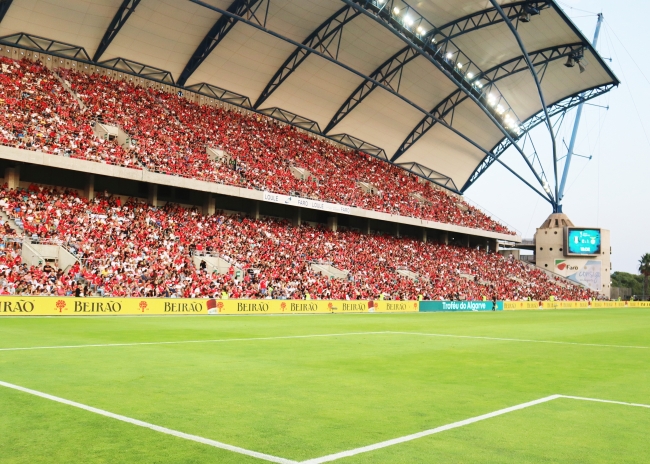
{"type": "Point", "coordinates": [293, 119]}
{"type": "Point", "coordinates": [138, 69]}
{"type": "Point", "coordinates": [445, 109]}
{"type": "Point", "coordinates": [325, 36]}
{"type": "Point", "coordinates": [47, 46]}
{"type": "Point", "coordinates": [221, 28]}
{"type": "Point", "coordinates": [394, 66]}
{"type": "Point", "coordinates": [212, 91]}
{"type": "Point", "coordinates": [123, 12]}
{"type": "Point", "coordinates": [429, 174]}
{"type": "Point", "coordinates": [558, 108]}
{"type": "Point", "coordinates": [382, 12]}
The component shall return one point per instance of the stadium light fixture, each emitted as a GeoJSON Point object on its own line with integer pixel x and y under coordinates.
{"type": "Point", "coordinates": [470, 75]}
{"type": "Point", "coordinates": [500, 109]}
{"type": "Point", "coordinates": [421, 30]}
{"type": "Point", "coordinates": [460, 65]}
{"type": "Point", "coordinates": [449, 55]}
{"type": "Point", "coordinates": [396, 10]}
{"type": "Point", "coordinates": [492, 99]}
{"type": "Point", "coordinates": [570, 62]}
{"type": "Point", "coordinates": [408, 21]}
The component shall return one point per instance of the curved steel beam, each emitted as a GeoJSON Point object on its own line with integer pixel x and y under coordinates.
{"type": "Point", "coordinates": [361, 75]}
{"type": "Point", "coordinates": [561, 106]}
{"type": "Point", "coordinates": [501, 71]}
{"type": "Point", "coordinates": [538, 84]}
{"type": "Point", "coordinates": [215, 35]}
{"type": "Point", "coordinates": [320, 40]}
{"type": "Point", "coordinates": [426, 49]}
{"type": "Point", "coordinates": [123, 12]}
{"type": "Point", "coordinates": [394, 65]}
{"type": "Point", "coordinates": [384, 74]}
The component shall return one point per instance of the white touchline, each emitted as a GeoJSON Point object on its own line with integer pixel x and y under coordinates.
{"type": "Point", "coordinates": [521, 340]}
{"type": "Point", "coordinates": [221, 340]}
{"type": "Point", "coordinates": [157, 428]}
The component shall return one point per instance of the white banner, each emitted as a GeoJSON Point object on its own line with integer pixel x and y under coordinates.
{"type": "Point", "coordinates": [306, 203]}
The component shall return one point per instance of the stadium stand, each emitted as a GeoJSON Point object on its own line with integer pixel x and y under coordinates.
{"type": "Point", "coordinates": [128, 248]}
{"type": "Point", "coordinates": [173, 135]}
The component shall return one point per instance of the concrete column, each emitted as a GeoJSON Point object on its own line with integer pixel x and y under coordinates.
{"type": "Point", "coordinates": [89, 189]}
{"type": "Point", "coordinates": [12, 177]}
{"type": "Point", "coordinates": [152, 198]}
{"type": "Point", "coordinates": [366, 228]}
{"type": "Point", "coordinates": [468, 243]}
{"type": "Point", "coordinates": [444, 237]}
{"type": "Point", "coordinates": [297, 217]}
{"type": "Point", "coordinates": [424, 235]}
{"type": "Point", "coordinates": [255, 210]}
{"type": "Point", "coordinates": [397, 230]}
{"type": "Point", "coordinates": [333, 223]}
{"type": "Point", "coordinates": [209, 204]}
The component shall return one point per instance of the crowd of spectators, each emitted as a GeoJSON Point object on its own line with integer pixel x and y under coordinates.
{"type": "Point", "coordinates": [128, 248]}
{"type": "Point", "coordinates": [39, 114]}
{"type": "Point", "coordinates": [172, 135]}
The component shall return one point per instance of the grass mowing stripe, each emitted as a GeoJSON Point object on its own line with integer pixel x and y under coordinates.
{"type": "Point", "coordinates": [443, 428]}
{"type": "Point", "coordinates": [521, 340]}
{"type": "Point", "coordinates": [157, 428]}
{"type": "Point", "coordinates": [187, 341]}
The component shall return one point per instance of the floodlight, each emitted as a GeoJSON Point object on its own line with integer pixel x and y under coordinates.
{"type": "Point", "coordinates": [449, 55]}
{"type": "Point", "coordinates": [470, 75]}
{"type": "Point", "coordinates": [396, 10]}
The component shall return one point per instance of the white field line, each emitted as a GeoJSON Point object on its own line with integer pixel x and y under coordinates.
{"type": "Point", "coordinates": [157, 428]}
{"type": "Point", "coordinates": [221, 340]}
{"type": "Point", "coordinates": [396, 441]}
{"type": "Point", "coordinates": [328, 458]}
{"type": "Point", "coordinates": [521, 340]}
{"type": "Point", "coordinates": [581, 398]}
{"type": "Point", "coordinates": [415, 436]}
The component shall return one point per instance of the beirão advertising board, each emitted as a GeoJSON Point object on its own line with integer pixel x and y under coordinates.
{"type": "Point", "coordinates": [306, 203]}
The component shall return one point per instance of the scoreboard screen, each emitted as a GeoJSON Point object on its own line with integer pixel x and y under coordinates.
{"type": "Point", "coordinates": [582, 241]}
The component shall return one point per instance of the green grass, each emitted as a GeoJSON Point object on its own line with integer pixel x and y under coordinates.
{"type": "Point", "coordinates": [303, 398]}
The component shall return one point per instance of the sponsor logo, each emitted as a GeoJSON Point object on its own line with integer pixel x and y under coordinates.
{"type": "Point", "coordinates": [245, 307]}
{"type": "Point", "coordinates": [562, 265]}
{"type": "Point", "coordinates": [21, 306]}
{"type": "Point", "coordinates": [192, 307]}
{"type": "Point", "coordinates": [302, 307]}
{"type": "Point", "coordinates": [143, 306]}
{"type": "Point", "coordinates": [96, 306]}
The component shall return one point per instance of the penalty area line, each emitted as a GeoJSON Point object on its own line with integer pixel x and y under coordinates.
{"type": "Point", "coordinates": [156, 428]}
{"type": "Point", "coordinates": [179, 342]}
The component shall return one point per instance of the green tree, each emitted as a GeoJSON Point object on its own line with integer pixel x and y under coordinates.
{"type": "Point", "coordinates": [627, 280]}
{"type": "Point", "coordinates": [644, 269]}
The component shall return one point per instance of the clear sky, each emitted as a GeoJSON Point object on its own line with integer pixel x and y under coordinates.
{"type": "Point", "coordinates": [612, 190]}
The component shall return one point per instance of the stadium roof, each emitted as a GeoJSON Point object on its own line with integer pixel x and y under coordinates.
{"type": "Point", "coordinates": [440, 87]}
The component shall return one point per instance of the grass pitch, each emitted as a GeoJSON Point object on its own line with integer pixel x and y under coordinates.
{"type": "Point", "coordinates": [303, 398]}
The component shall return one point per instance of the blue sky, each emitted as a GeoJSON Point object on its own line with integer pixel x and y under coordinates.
{"type": "Point", "coordinates": [612, 191]}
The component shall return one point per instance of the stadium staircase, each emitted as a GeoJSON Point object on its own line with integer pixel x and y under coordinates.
{"type": "Point", "coordinates": [409, 274]}
{"type": "Point", "coordinates": [114, 133]}
{"type": "Point", "coordinates": [15, 226]}
{"type": "Point", "coordinates": [300, 173]}
{"type": "Point", "coordinates": [66, 85]}
{"type": "Point", "coordinates": [329, 271]}
{"type": "Point", "coordinates": [214, 264]}
{"type": "Point", "coordinates": [367, 187]}
{"type": "Point", "coordinates": [215, 154]}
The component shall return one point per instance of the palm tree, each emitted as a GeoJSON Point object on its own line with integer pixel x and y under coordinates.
{"type": "Point", "coordinates": [644, 268]}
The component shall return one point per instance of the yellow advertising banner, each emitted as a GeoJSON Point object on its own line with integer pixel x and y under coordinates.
{"type": "Point", "coordinates": [268, 306]}
{"type": "Point", "coordinates": [385, 306]}
{"type": "Point", "coordinates": [520, 305]}
{"type": "Point", "coordinates": [67, 306]}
